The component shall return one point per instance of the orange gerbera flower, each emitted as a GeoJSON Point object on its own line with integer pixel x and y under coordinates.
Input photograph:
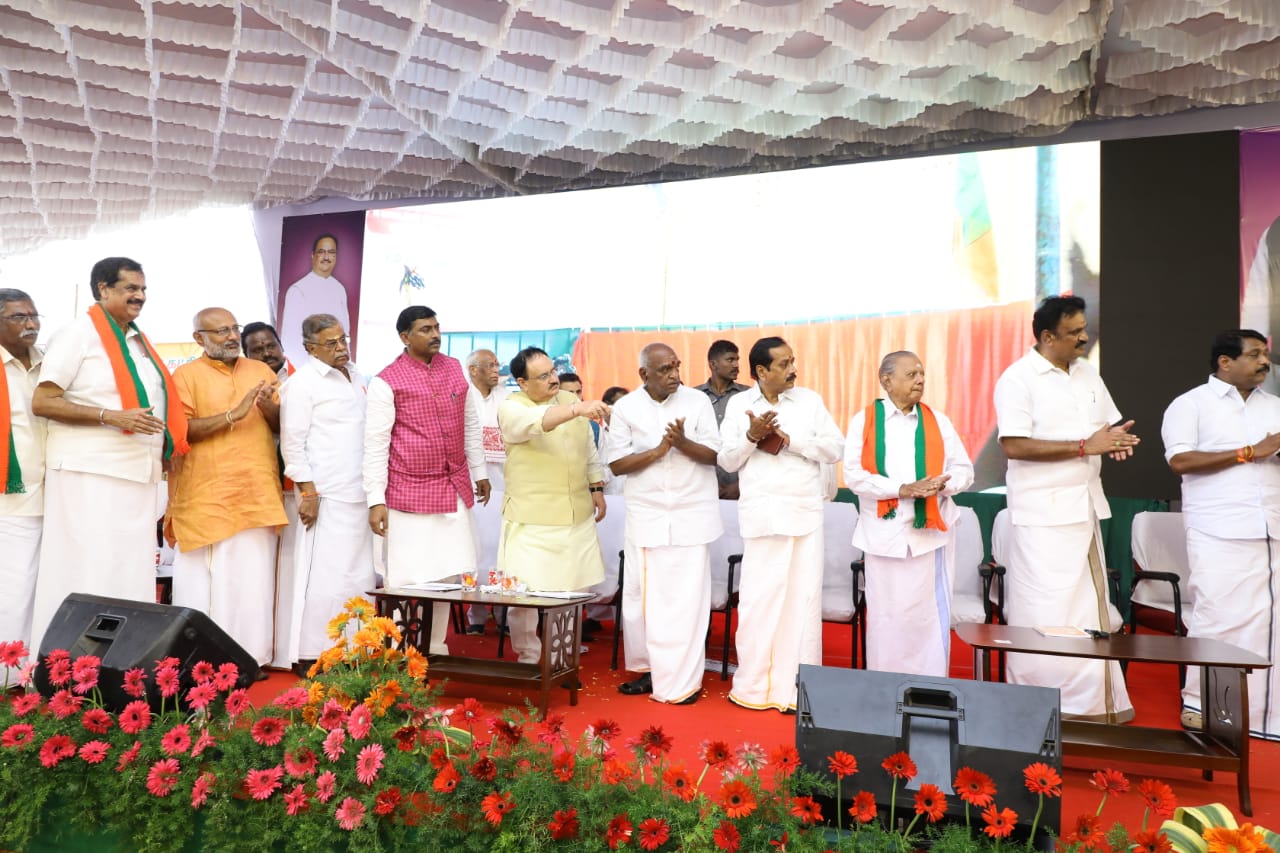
{"type": "Point", "coordinates": [416, 662]}
{"type": "Point", "coordinates": [1246, 839]}
{"type": "Point", "coordinates": [974, 787]}
{"type": "Point", "coordinates": [1109, 781]}
{"type": "Point", "coordinates": [900, 766]}
{"type": "Point", "coordinates": [1152, 841]}
{"type": "Point", "coordinates": [842, 764]}
{"type": "Point", "coordinates": [495, 806]}
{"type": "Point", "coordinates": [1087, 833]}
{"type": "Point", "coordinates": [738, 799]}
{"type": "Point", "coordinates": [1000, 824]}
{"type": "Point", "coordinates": [1159, 797]}
{"type": "Point", "coordinates": [807, 809]}
{"type": "Point", "coordinates": [1042, 779]}
{"type": "Point", "coordinates": [931, 802]}
{"type": "Point", "coordinates": [863, 809]}
{"type": "Point", "coordinates": [679, 783]}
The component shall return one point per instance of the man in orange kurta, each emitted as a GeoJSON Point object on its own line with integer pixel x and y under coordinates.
{"type": "Point", "coordinates": [225, 504]}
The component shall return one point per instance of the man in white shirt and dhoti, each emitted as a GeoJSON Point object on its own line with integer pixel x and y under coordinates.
{"type": "Point", "coordinates": [423, 463]}
{"type": "Point", "coordinates": [904, 460]}
{"type": "Point", "coordinates": [1055, 416]}
{"type": "Point", "coordinates": [322, 419]}
{"type": "Point", "coordinates": [663, 439]}
{"type": "Point", "coordinates": [317, 292]}
{"type": "Point", "coordinates": [484, 373]}
{"type": "Point", "coordinates": [555, 491]}
{"type": "Point", "coordinates": [777, 436]}
{"type": "Point", "coordinates": [115, 419]}
{"type": "Point", "coordinates": [1222, 437]}
{"type": "Point", "coordinates": [21, 466]}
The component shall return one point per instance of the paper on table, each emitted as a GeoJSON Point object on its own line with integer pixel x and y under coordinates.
{"type": "Point", "coordinates": [536, 594]}
{"type": "Point", "coordinates": [1061, 631]}
{"type": "Point", "coordinates": [432, 586]}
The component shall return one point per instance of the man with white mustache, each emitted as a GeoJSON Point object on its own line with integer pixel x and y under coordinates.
{"type": "Point", "coordinates": [21, 464]}
{"type": "Point", "coordinates": [1222, 438]}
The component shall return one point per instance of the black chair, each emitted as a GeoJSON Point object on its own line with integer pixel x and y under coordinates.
{"type": "Point", "coordinates": [859, 632]}
{"type": "Point", "coordinates": [616, 603]}
{"type": "Point", "coordinates": [730, 605]}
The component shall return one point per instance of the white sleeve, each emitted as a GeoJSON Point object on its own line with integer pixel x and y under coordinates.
{"type": "Point", "coordinates": [472, 441]}
{"type": "Point", "coordinates": [296, 408]}
{"type": "Point", "coordinates": [957, 463]}
{"type": "Point", "coordinates": [859, 480]}
{"type": "Point", "coordinates": [1180, 430]}
{"type": "Point", "coordinates": [734, 447]}
{"type": "Point", "coordinates": [380, 415]}
{"type": "Point", "coordinates": [827, 442]}
{"type": "Point", "coordinates": [1012, 400]}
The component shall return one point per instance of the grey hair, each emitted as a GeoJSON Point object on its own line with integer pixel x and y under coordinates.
{"type": "Point", "coordinates": [890, 361]}
{"type": "Point", "coordinates": [474, 358]}
{"type": "Point", "coordinates": [317, 323]}
{"type": "Point", "coordinates": [648, 350]}
{"type": "Point", "coordinates": [12, 294]}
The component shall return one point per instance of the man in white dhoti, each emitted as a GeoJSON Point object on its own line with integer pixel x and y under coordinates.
{"type": "Point", "coordinates": [115, 418]}
{"type": "Point", "coordinates": [422, 453]}
{"type": "Point", "coordinates": [317, 292]}
{"type": "Point", "coordinates": [21, 466]}
{"type": "Point", "coordinates": [663, 438]}
{"type": "Point", "coordinates": [225, 506]}
{"type": "Point", "coordinates": [1222, 437]}
{"type": "Point", "coordinates": [777, 436]}
{"type": "Point", "coordinates": [322, 414]}
{"type": "Point", "coordinates": [904, 461]}
{"type": "Point", "coordinates": [555, 491]}
{"type": "Point", "coordinates": [1055, 416]}
{"type": "Point", "coordinates": [484, 373]}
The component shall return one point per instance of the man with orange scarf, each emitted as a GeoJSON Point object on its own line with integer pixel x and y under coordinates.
{"type": "Point", "coordinates": [904, 461]}
{"type": "Point", "coordinates": [115, 421]}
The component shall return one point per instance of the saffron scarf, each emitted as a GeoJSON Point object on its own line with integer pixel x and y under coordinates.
{"type": "Point", "coordinates": [133, 394]}
{"type": "Point", "coordinates": [930, 457]}
{"type": "Point", "coordinates": [10, 470]}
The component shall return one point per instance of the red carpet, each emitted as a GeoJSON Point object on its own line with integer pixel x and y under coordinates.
{"type": "Point", "coordinates": [1152, 688]}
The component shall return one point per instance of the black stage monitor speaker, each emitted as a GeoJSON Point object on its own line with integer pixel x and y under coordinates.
{"type": "Point", "coordinates": [127, 634]}
{"type": "Point", "coordinates": [944, 724]}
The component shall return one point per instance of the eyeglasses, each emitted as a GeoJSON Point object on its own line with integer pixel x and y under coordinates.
{"type": "Point", "coordinates": [331, 344]}
{"type": "Point", "coordinates": [23, 319]}
{"type": "Point", "coordinates": [221, 331]}
{"type": "Point", "coordinates": [550, 374]}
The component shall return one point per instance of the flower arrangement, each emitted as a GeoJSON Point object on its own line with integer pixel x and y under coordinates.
{"type": "Point", "coordinates": [362, 757]}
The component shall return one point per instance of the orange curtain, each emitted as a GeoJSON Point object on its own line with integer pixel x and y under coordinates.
{"type": "Point", "coordinates": [964, 352]}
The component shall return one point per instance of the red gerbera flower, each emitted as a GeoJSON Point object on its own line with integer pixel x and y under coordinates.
{"type": "Point", "coordinates": [167, 681]}
{"type": "Point", "coordinates": [550, 730]}
{"type": "Point", "coordinates": [135, 717]}
{"type": "Point", "coordinates": [296, 800]}
{"type": "Point", "coordinates": [12, 653]}
{"type": "Point", "coordinates": [369, 762]}
{"type": "Point", "coordinates": [738, 799]}
{"type": "Point", "coordinates": [128, 756]}
{"type": "Point", "coordinates": [807, 809]}
{"type": "Point", "coordinates": [386, 802]}
{"type": "Point", "coordinates": [605, 730]}
{"type": "Point", "coordinates": [863, 809]}
{"type": "Point", "coordinates": [97, 721]}
{"type": "Point", "coordinates": [562, 766]}
{"type": "Point", "coordinates": [64, 703]}
{"type": "Point", "coordinates": [470, 710]}
{"type": "Point", "coordinates": [506, 731]}
{"type": "Point", "coordinates": [446, 780]}
{"type": "Point", "coordinates": [202, 672]}
{"type": "Point", "coordinates": [332, 715]}
{"type": "Point", "coordinates": [1152, 841]}
{"type": "Point", "coordinates": [654, 741]}
{"type": "Point", "coordinates": [1086, 833]}
{"type": "Point", "coordinates": [203, 742]}
{"type": "Point", "coordinates": [176, 741]}
{"type": "Point", "coordinates": [1110, 781]}
{"type": "Point", "coordinates": [325, 784]}
{"type": "Point", "coordinates": [679, 782]}
{"type": "Point", "coordinates": [225, 677]}
{"type": "Point", "coordinates": [350, 813]}
{"type": "Point", "coordinates": [618, 833]}
{"type": "Point", "coordinates": [268, 731]}
{"type": "Point", "coordinates": [1159, 797]}
{"type": "Point", "coordinates": [716, 753]}
{"type": "Point", "coordinates": [1000, 824]}
{"type": "Point", "coordinates": [727, 837]}
{"type": "Point", "coordinates": [1042, 779]}
{"type": "Point", "coordinates": [24, 704]}
{"type": "Point", "coordinates": [485, 769]}
{"type": "Point", "coordinates": [842, 764]}
{"type": "Point", "coordinates": [162, 776]}
{"type": "Point", "coordinates": [201, 695]}
{"type": "Point", "coordinates": [974, 787]}
{"type": "Point", "coordinates": [495, 806]}
{"type": "Point", "coordinates": [931, 802]}
{"type": "Point", "coordinates": [94, 752]}
{"type": "Point", "coordinates": [300, 763]}
{"type": "Point", "coordinates": [564, 825]}
{"type": "Point", "coordinates": [263, 783]}
{"type": "Point", "coordinates": [135, 682]}
{"type": "Point", "coordinates": [785, 760]}
{"type": "Point", "coordinates": [237, 702]}
{"type": "Point", "coordinates": [200, 790]}
{"type": "Point", "coordinates": [654, 832]}
{"type": "Point", "coordinates": [56, 749]}
{"type": "Point", "coordinates": [900, 766]}
{"type": "Point", "coordinates": [59, 671]}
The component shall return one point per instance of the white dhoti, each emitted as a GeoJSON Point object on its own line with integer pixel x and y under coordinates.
{"type": "Point", "coordinates": [334, 563]}
{"type": "Point", "coordinates": [666, 604]}
{"type": "Point", "coordinates": [99, 539]}
{"type": "Point", "coordinates": [779, 618]}
{"type": "Point", "coordinates": [19, 561]}
{"type": "Point", "coordinates": [1055, 576]}
{"type": "Point", "coordinates": [909, 612]}
{"type": "Point", "coordinates": [1234, 585]}
{"type": "Point", "coordinates": [233, 581]}
{"type": "Point", "coordinates": [546, 557]}
{"type": "Point", "coordinates": [423, 547]}
{"type": "Point", "coordinates": [289, 594]}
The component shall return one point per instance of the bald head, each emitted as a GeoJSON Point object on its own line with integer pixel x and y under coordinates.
{"type": "Point", "coordinates": [215, 329]}
{"type": "Point", "coordinates": [484, 370]}
{"type": "Point", "coordinates": [659, 370]}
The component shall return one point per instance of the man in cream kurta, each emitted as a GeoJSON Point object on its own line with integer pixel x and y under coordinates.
{"type": "Point", "coordinates": [322, 416]}
{"type": "Point", "coordinates": [555, 491]}
{"type": "Point", "coordinates": [1054, 415]}
{"type": "Point", "coordinates": [663, 439]}
{"type": "Point", "coordinates": [777, 436]}
{"type": "Point", "coordinates": [21, 490]}
{"type": "Point", "coordinates": [910, 564]}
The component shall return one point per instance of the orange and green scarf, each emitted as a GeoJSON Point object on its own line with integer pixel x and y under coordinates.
{"type": "Point", "coordinates": [133, 394]}
{"type": "Point", "coordinates": [930, 458]}
{"type": "Point", "coordinates": [10, 470]}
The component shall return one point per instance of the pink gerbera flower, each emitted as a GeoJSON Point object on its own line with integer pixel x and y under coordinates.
{"type": "Point", "coordinates": [24, 704]}
{"type": "Point", "coordinates": [64, 704]}
{"type": "Point", "coordinates": [201, 695]}
{"type": "Point", "coordinates": [324, 786]}
{"type": "Point", "coordinates": [333, 748]}
{"type": "Point", "coordinates": [96, 720]}
{"type": "Point", "coordinates": [296, 801]}
{"type": "Point", "coordinates": [128, 756]}
{"type": "Point", "coordinates": [268, 731]}
{"type": "Point", "coordinates": [167, 680]}
{"type": "Point", "coordinates": [300, 763]}
{"type": "Point", "coordinates": [332, 715]}
{"type": "Point", "coordinates": [94, 751]}
{"type": "Point", "coordinates": [203, 742]}
{"type": "Point", "coordinates": [135, 717]}
{"type": "Point", "coordinates": [176, 741]}
{"type": "Point", "coordinates": [368, 763]}
{"type": "Point", "coordinates": [359, 721]}
{"type": "Point", "coordinates": [163, 776]}
{"type": "Point", "coordinates": [293, 699]}
{"type": "Point", "coordinates": [225, 677]}
{"type": "Point", "coordinates": [263, 783]}
{"type": "Point", "coordinates": [202, 672]}
{"type": "Point", "coordinates": [56, 749]}
{"type": "Point", "coordinates": [237, 702]}
{"type": "Point", "coordinates": [350, 813]}
{"type": "Point", "coordinates": [12, 653]}
{"type": "Point", "coordinates": [17, 736]}
{"type": "Point", "coordinates": [135, 682]}
{"type": "Point", "coordinates": [59, 671]}
{"type": "Point", "coordinates": [200, 790]}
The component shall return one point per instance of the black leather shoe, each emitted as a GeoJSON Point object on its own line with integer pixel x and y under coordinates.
{"type": "Point", "coordinates": [475, 629]}
{"type": "Point", "coordinates": [639, 687]}
{"type": "Point", "coordinates": [592, 625]}
{"type": "Point", "coordinates": [690, 699]}
{"type": "Point", "coordinates": [571, 684]}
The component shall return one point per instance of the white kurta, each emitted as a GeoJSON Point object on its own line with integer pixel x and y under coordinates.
{"type": "Point", "coordinates": [672, 507]}
{"type": "Point", "coordinates": [311, 294]}
{"type": "Point", "coordinates": [495, 451]}
{"type": "Point", "coordinates": [1056, 569]}
{"type": "Point", "coordinates": [21, 514]}
{"type": "Point", "coordinates": [780, 514]}
{"type": "Point", "coordinates": [909, 571]}
{"type": "Point", "coordinates": [218, 579]}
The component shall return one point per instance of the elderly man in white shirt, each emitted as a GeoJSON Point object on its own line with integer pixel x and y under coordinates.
{"type": "Point", "coordinates": [1222, 438]}
{"type": "Point", "coordinates": [484, 372]}
{"type": "Point", "coordinates": [777, 436]}
{"type": "Point", "coordinates": [22, 465]}
{"type": "Point", "coordinates": [1054, 415]}
{"type": "Point", "coordinates": [904, 461]}
{"type": "Point", "coordinates": [663, 439]}
{"type": "Point", "coordinates": [322, 415]}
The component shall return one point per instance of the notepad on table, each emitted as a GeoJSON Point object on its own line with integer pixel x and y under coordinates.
{"type": "Point", "coordinates": [1060, 631]}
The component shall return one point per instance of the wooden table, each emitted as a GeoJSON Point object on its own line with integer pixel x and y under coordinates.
{"type": "Point", "coordinates": [1221, 743]}
{"type": "Point", "coordinates": [411, 610]}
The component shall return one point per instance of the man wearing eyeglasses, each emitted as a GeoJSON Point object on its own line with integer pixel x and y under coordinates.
{"type": "Point", "coordinates": [225, 506]}
{"type": "Point", "coordinates": [21, 465]}
{"type": "Point", "coordinates": [317, 292]}
{"type": "Point", "coordinates": [322, 415]}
